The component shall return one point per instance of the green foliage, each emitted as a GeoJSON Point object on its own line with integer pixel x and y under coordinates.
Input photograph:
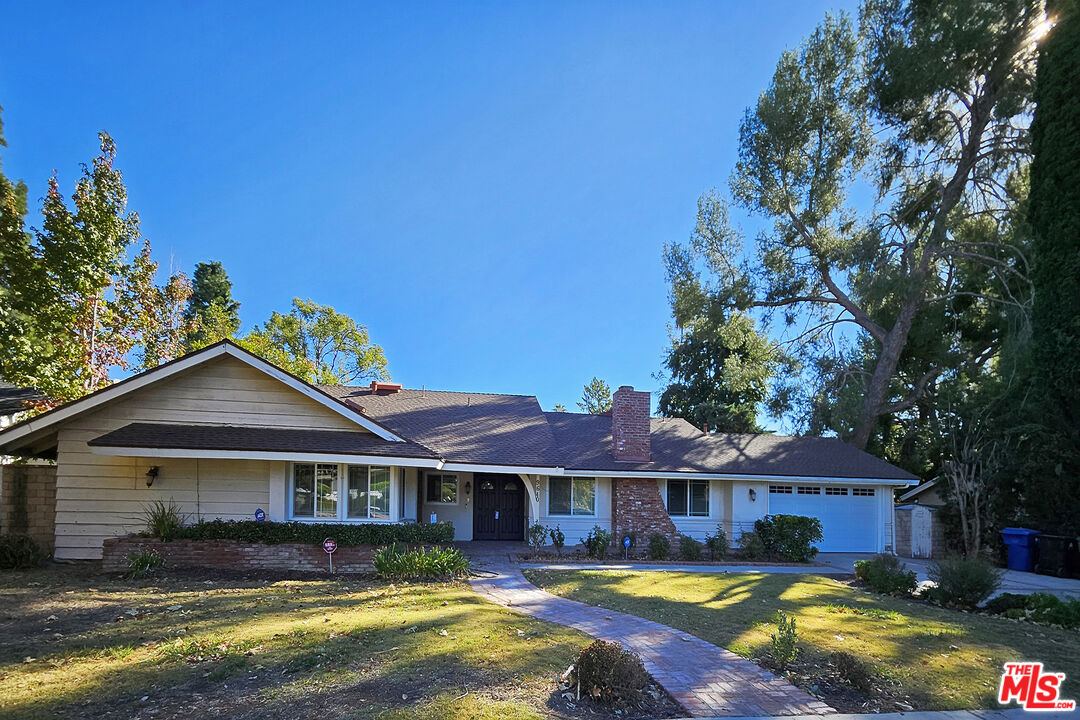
{"type": "Point", "coordinates": [717, 543]}
{"type": "Point", "coordinates": [536, 535]}
{"type": "Point", "coordinates": [164, 521]}
{"type": "Point", "coordinates": [318, 344]}
{"type": "Point", "coordinates": [659, 546]}
{"type": "Point", "coordinates": [689, 548]}
{"type": "Point", "coordinates": [595, 397]}
{"type": "Point", "coordinates": [785, 648]}
{"type": "Point", "coordinates": [851, 670]}
{"type": "Point", "coordinates": [19, 552]}
{"type": "Point", "coordinates": [886, 574]}
{"type": "Point", "coordinates": [558, 539]}
{"type": "Point", "coordinates": [211, 310]}
{"type": "Point", "coordinates": [751, 547]}
{"type": "Point", "coordinates": [143, 563]}
{"type": "Point", "coordinates": [1041, 608]}
{"type": "Point", "coordinates": [398, 562]}
{"type": "Point", "coordinates": [610, 674]}
{"type": "Point", "coordinates": [275, 533]}
{"type": "Point", "coordinates": [597, 542]}
{"type": "Point", "coordinates": [963, 582]}
{"type": "Point", "coordinates": [789, 537]}
{"type": "Point", "coordinates": [77, 296]}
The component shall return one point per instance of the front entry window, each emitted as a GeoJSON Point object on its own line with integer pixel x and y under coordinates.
{"type": "Point", "coordinates": [442, 489]}
{"type": "Point", "coordinates": [571, 496]}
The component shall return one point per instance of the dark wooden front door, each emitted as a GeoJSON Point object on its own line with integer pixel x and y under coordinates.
{"type": "Point", "coordinates": [499, 513]}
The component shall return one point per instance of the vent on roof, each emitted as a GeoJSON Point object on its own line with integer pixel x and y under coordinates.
{"type": "Point", "coordinates": [384, 388]}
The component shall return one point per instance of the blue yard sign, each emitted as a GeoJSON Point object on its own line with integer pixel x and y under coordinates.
{"type": "Point", "coordinates": [260, 515]}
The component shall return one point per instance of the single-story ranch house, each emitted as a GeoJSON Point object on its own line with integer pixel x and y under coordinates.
{"type": "Point", "coordinates": [225, 434]}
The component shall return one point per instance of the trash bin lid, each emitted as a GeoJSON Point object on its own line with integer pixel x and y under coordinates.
{"type": "Point", "coordinates": [1019, 531]}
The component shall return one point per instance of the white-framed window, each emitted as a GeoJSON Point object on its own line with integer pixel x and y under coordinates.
{"type": "Point", "coordinates": [369, 492]}
{"type": "Point", "coordinates": [862, 492]}
{"type": "Point", "coordinates": [688, 498]}
{"type": "Point", "coordinates": [835, 491]}
{"type": "Point", "coordinates": [804, 490]}
{"type": "Point", "coordinates": [571, 496]}
{"type": "Point", "coordinates": [441, 489]}
{"type": "Point", "coordinates": [780, 489]}
{"type": "Point", "coordinates": [331, 492]}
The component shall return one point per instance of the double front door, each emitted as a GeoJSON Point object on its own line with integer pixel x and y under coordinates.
{"type": "Point", "coordinates": [499, 513]}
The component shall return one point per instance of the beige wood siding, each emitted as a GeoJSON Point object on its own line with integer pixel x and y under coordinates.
{"type": "Point", "coordinates": [100, 496]}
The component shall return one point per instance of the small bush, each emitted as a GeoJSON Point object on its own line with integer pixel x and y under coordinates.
{"type": "Point", "coordinates": [398, 562]}
{"type": "Point", "coordinates": [558, 539]}
{"type": "Point", "coordinates": [785, 648]}
{"type": "Point", "coordinates": [689, 548]}
{"type": "Point", "coordinates": [597, 542]}
{"type": "Point", "coordinates": [717, 544]}
{"type": "Point", "coordinates": [852, 670]}
{"type": "Point", "coordinates": [750, 546]}
{"type": "Point", "coordinates": [276, 533]}
{"type": "Point", "coordinates": [963, 582]}
{"type": "Point", "coordinates": [886, 574]}
{"type": "Point", "coordinates": [659, 547]}
{"type": "Point", "coordinates": [1042, 608]}
{"type": "Point", "coordinates": [164, 521]}
{"type": "Point", "coordinates": [19, 552]}
{"type": "Point", "coordinates": [1006, 601]}
{"type": "Point", "coordinates": [789, 537]}
{"type": "Point", "coordinates": [610, 674]}
{"type": "Point", "coordinates": [537, 535]}
{"type": "Point", "coordinates": [143, 562]}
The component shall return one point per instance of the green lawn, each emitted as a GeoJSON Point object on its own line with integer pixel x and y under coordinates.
{"type": "Point", "coordinates": [923, 656]}
{"type": "Point", "coordinates": [78, 644]}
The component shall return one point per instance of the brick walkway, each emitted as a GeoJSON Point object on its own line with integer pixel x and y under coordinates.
{"type": "Point", "coordinates": [705, 679]}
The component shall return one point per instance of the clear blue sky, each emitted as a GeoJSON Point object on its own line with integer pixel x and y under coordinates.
{"type": "Point", "coordinates": [486, 186]}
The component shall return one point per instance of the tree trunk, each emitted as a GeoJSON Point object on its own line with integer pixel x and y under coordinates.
{"type": "Point", "coordinates": [877, 392]}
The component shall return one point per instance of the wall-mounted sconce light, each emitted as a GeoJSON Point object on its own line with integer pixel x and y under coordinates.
{"type": "Point", "coordinates": [151, 475]}
{"type": "Point", "coordinates": [753, 495]}
{"type": "Point", "coordinates": [468, 487]}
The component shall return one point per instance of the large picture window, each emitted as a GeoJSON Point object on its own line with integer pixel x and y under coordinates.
{"type": "Point", "coordinates": [365, 491]}
{"type": "Point", "coordinates": [688, 498]}
{"type": "Point", "coordinates": [571, 496]}
{"type": "Point", "coordinates": [369, 492]}
{"type": "Point", "coordinates": [315, 490]}
{"type": "Point", "coordinates": [442, 489]}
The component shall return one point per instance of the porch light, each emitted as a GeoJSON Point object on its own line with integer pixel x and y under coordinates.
{"type": "Point", "coordinates": [753, 495]}
{"type": "Point", "coordinates": [151, 475]}
{"type": "Point", "coordinates": [468, 487]}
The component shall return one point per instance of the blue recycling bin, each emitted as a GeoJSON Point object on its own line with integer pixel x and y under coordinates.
{"type": "Point", "coordinates": [1020, 542]}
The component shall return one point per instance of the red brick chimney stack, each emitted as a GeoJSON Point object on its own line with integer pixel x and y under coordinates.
{"type": "Point", "coordinates": [630, 425]}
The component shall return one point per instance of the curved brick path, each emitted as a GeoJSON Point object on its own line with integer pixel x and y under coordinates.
{"type": "Point", "coordinates": [705, 679]}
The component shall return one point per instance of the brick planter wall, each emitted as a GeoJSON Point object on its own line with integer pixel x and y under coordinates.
{"type": "Point", "coordinates": [37, 498]}
{"type": "Point", "coordinates": [636, 506]}
{"type": "Point", "coordinates": [236, 555]}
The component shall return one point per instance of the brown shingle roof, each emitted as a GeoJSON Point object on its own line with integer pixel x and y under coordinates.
{"type": "Point", "coordinates": [258, 439]}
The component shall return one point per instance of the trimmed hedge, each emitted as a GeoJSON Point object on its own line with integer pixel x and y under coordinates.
{"type": "Point", "coordinates": [789, 537]}
{"type": "Point", "coordinates": [275, 533]}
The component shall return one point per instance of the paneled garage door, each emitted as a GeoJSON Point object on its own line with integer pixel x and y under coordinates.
{"type": "Point", "coordinates": [849, 515]}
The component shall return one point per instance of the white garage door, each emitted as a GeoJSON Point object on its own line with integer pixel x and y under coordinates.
{"type": "Point", "coordinates": [849, 515]}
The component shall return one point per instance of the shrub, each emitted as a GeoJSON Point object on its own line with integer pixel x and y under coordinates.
{"type": "Point", "coordinates": [785, 648]}
{"type": "Point", "coordinates": [789, 537]}
{"type": "Point", "coordinates": [610, 674]}
{"type": "Point", "coordinates": [164, 521]}
{"type": "Point", "coordinates": [558, 539]}
{"type": "Point", "coordinates": [1042, 608]}
{"type": "Point", "coordinates": [851, 670]}
{"type": "Point", "coordinates": [597, 542]}
{"type": "Point", "coordinates": [19, 552]}
{"type": "Point", "coordinates": [1006, 601]}
{"type": "Point", "coordinates": [398, 562]}
{"type": "Point", "coordinates": [659, 546]}
{"type": "Point", "coordinates": [537, 535]}
{"type": "Point", "coordinates": [689, 548]}
{"type": "Point", "coordinates": [143, 562]}
{"type": "Point", "coordinates": [275, 533]}
{"type": "Point", "coordinates": [750, 546]}
{"type": "Point", "coordinates": [717, 544]}
{"type": "Point", "coordinates": [963, 582]}
{"type": "Point", "coordinates": [886, 574]}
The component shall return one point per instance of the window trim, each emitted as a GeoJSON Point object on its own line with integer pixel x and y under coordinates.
{"type": "Point", "coordinates": [389, 492]}
{"type": "Point", "coordinates": [572, 514]}
{"type": "Point", "coordinates": [457, 488]}
{"type": "Point", "coordinates": [341, 487]}
{"type": "Point", "coordinates": [690, 514]}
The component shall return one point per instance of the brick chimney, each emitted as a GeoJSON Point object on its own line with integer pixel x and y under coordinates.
{"type": "Point", "coordinates": [630, 425]}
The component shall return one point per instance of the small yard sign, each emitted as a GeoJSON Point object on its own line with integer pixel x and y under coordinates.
{"type": "Point", "coordinates": [260, 515]}
{"type": "Point", "coordinates": [330, 545]}
{"type": "Point", "coordinates": [626, 547]}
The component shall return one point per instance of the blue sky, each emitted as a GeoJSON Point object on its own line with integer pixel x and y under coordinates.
{"type": "Point", "coordinates": [486, 186]}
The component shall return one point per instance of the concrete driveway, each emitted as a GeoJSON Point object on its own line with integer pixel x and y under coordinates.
{"type": "Point", "coordinates": [1013, 581]}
